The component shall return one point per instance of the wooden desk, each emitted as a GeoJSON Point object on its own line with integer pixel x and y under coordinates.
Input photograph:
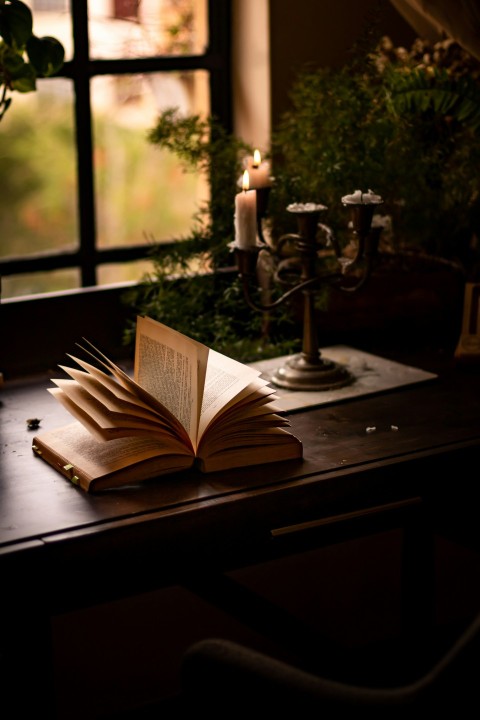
{"type": "Point", "coordinates": [61, 548]}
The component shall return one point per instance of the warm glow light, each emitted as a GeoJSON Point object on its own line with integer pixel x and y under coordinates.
{"type": "Point", "coordinates": [245, 181]}
{"type": "Point", "coordinates": [257, 158]}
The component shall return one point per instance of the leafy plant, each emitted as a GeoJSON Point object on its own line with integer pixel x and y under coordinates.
{"type": "Point", "coordinates": [442, 78]}
{"type": "Point", "coordinates": [404, 123]}
{"type": "Point", "coordinates": [331, 142]}
{"type": "Point", "coordinates": [192, 287]}
{"type": "Point", "coordinates": [24, 57]}
{"type": "Point", "coordinates": [420, 92]}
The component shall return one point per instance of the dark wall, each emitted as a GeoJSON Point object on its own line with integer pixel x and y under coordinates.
{"type": "Point", "coordinates": [323, 33]}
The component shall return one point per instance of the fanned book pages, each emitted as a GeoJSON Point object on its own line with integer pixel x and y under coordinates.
{"type": "Point", "coordinates": [186, 405]}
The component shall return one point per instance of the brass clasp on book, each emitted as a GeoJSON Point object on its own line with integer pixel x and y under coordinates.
{"type": "Point", "coordinates": [70, 469]}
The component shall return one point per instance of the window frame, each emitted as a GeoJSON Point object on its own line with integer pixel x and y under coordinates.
{"type": "Point", "coordinates": [36, 331]}
{"type": "Point", "coordinates": [216, 60]}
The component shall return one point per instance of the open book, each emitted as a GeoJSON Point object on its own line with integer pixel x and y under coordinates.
{"type": "Point", "coordinates": [186, 405]}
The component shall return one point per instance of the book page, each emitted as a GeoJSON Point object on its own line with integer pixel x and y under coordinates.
{"type": "Point", "coordinates": [73, 451]}
{"type": "Point", "coordinates": [123, 386]}
{"type": "Point", "coordinates": [276, 445]}
{"type": "Point", "coordinates": [103, 422]}
{"type": "Point", "coordinates": [95, 457]}
{"type": "Point", "coordinates": [113, 396]}
{"type": "Point", "coordinates": [172, 368]}
{"type": "Point", "coordinates": [225, 380]}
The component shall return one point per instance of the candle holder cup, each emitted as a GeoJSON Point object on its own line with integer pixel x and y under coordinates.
{"type": "Point", "coordinates": [309, 370]}
{"type": "Point", "coordinates": [263, 194]}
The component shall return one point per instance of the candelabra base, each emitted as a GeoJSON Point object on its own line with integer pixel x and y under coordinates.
{"type": "Point", "coordinates": [298, 373]}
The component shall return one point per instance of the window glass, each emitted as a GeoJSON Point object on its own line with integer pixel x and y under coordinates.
{"type": "Point", "coordinates": [50, 5]}
{"type": "Point", "coordinates": [14, 286]}
{"type": "Point", "coordinates": [38, 207]}
{"type": "Point", "coordinates": [111, 273]}
{"type": "Point", "coordinates": [143, 28]}
{"type": "Point", "coordinates": [139, 194]}
{"type": "Point", "coordinates": [142, 191]}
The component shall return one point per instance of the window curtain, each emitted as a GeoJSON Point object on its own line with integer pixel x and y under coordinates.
{"type": "Point", "coordinates": [434, 19]}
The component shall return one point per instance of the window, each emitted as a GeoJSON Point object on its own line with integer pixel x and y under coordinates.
{"type": "Point", "coordinates": [56, 5]}
{"type": "Point", "coordinates": [84, 193]}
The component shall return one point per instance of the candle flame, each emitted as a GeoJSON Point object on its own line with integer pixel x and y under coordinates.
{"type": "Point", "coordinates": [246, 180]}
{"type": "Point", "coordinates": [257, 158]}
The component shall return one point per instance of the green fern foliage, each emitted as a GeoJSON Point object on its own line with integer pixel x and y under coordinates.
{"type": "Point", "coordinates": [420, 91]}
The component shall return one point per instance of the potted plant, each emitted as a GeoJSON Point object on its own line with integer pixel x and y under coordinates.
{"type": "Point", "coordinates": [24, 57]}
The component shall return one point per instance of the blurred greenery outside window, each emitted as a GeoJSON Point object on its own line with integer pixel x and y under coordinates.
{"type": "Point", "coordinates": [140, 193]}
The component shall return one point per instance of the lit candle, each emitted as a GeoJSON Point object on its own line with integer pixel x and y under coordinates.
{"type": "Point", "coordinates": [246, 216]}
{"type": "Point", "coordinates": [259, 171]}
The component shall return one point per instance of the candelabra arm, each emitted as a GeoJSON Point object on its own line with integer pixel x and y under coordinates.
{"type": "Point", "coordinates": [264, 307]}
{"type": "Point", "coordinates": [331, 238]}
{"type": "Point", "coordinates": [360, 249]}
{"type": "Point", "coordinates": [284, 239]}
{"type": "Point", "coordinates": [363, 279]}
{"type": "Point", "coordinates": [369, 244]}
{"type": "Point", "coordinates": [260, 229]}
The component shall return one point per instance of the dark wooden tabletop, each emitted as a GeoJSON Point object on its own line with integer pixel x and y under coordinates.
{"type": "Point", "coordinates": [344, 467]}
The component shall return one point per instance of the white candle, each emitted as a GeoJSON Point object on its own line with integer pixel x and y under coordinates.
{"type": "Point", "coordinates": [259, 172]}
{"type": "Point", "coordinates": [246, 216]}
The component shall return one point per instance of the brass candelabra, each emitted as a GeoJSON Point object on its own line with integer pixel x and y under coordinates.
{"type": "Point", "coordinates": [300, 273]}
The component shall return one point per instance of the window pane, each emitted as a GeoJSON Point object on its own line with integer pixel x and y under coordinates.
{"type": "Point", "coordinates": [34, 283]}
{"type": "Point", "coordinates": [50, 5]}
{"type": "Point", "coordinates": [129, 29]}
{"type": "Point", "coordinates": [143, 192]}
{"type": "Point", "coordinates": [38, 209]}
{"type": "Point", "coordinates": [109, 274]}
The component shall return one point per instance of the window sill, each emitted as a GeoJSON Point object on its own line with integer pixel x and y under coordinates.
{"type": "Point", "coordinates": [37, 331]}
